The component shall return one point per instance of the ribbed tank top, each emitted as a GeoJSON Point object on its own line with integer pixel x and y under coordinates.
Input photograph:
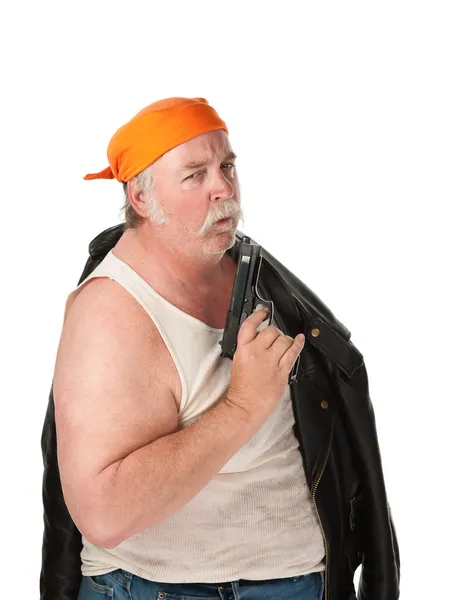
{"type": "Point", "coordinates": [255, 519]}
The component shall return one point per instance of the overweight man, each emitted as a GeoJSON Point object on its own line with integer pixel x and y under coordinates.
{"type": "Point", "coordinates": [181, 469]}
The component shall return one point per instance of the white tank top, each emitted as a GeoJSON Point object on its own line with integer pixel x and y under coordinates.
{"type": "Point", "coordinates": [255, 519]}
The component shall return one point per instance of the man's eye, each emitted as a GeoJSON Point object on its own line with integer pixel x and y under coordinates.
{"type": "Point", "coordinates": [193, 175]}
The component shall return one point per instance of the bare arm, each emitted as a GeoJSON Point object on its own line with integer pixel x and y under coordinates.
{"type": "Point", "coordinates": [155, 481]}
{"type": "Point", "coordinates": [124, 466]}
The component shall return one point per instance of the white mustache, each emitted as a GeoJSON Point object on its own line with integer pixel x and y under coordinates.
{"type": "Point", "coordinates": [227, 209]}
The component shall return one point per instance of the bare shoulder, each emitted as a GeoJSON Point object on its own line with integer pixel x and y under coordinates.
{"type": "Point", "coordinates": [113, 387]}
{"type": "Point", "coordinates": [106, 321]}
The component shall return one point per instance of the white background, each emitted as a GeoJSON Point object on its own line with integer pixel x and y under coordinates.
{"type": "Point", "coordinates": [347, 118]}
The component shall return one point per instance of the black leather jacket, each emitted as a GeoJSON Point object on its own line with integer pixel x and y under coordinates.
{"type": "Point", "coordinates": [335, 427]}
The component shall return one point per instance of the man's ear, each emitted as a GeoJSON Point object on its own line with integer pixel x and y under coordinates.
{"type": "Point", "coordinates": [137, 199]}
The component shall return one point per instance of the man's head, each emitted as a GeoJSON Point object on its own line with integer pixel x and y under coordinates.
{"type": "Point", "coordinates": [178, 171]}
{"type": "Point", "coordinates": [183, 194]}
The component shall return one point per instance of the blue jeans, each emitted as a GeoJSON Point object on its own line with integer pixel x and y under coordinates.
{"type": "Point", "coordinates": [122, 585]}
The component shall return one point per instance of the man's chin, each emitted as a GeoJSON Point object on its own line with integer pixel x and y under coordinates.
{"type": "Point", "coordinates": [221, 238]}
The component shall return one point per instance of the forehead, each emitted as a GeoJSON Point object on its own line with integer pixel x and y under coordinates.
{"type": "Point", "coordinates": [202, 147]}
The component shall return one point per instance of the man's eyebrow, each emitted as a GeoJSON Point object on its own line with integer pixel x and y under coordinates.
{"type": "Point", "coordinates": [202, 163]}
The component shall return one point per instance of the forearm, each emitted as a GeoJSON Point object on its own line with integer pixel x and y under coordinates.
{"type": "Point", "coordinates": [158, 479]}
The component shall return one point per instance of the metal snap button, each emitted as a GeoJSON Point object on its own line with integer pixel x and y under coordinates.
{"type": "Point", "coordinates": [315, 332]}
{"type": "Point", "coordinates": [325, 404]}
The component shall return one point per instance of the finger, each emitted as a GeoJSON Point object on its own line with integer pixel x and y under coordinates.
{"type": "Point", "coordinates": [267, 335]}
{"type": "Point", "coordinates": [281, 344]}
{"type": "Point", "coordinates": [247, 331]}
{"type": "Point", "coordinates": [288, 359]}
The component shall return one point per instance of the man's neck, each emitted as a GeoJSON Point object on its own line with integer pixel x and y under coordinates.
{"type": "Point", "coordinates": [183, 273]}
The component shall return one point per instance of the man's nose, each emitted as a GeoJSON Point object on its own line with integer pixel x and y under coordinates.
{"type": "Point", "coordinates": [222, 187]}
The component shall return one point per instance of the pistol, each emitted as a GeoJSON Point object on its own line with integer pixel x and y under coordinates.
{"type": "Point", "coordinates": [245, 299]}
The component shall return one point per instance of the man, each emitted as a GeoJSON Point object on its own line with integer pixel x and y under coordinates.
{"type": "Point", "coordinates": [186, 473]}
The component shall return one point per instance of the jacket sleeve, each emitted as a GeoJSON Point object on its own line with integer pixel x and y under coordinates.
{"type": "Point", "coordinates": [380, 572]}
{"type": "Point", "coordinates": [60, 576]}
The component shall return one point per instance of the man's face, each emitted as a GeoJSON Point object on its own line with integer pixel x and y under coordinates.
{"type": "Point", "coordinates": [196, 184]}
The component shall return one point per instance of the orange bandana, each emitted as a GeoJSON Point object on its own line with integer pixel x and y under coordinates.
{"type": "Point", "coordinates": [155, 130]}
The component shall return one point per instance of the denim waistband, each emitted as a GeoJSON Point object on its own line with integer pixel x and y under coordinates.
{"type": "Point", "coordinates": [122, 576]}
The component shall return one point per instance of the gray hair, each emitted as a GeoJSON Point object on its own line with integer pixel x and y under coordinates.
{"type": "Point", "coordinates": [144, 184]}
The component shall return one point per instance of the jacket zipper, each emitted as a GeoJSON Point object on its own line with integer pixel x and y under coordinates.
{"type": "Point", "coordinates": [319, 477]}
